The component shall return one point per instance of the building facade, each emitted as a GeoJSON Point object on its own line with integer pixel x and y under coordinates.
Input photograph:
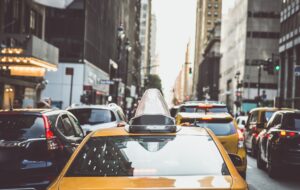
{"type": "Point", "coordinates": [145, 38]}
{"type": "Point", "coordinates": [103, 51]}
{"type": "Point", "coordinates": [249, 37]}
{"type": "Point", "coordinates": [289, 51]}
{"type": "Point", "coordinates": [209, 69]}
{"type": "Point", "coordinates": [25, 56]}
{"type": "Point", "coordinates": [208, 12]}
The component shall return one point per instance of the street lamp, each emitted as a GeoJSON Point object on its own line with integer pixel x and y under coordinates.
{"type": "Point", "coordinates": [128, 49]}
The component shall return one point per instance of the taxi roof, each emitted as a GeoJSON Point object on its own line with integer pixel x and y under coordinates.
{"type": "Point", "coordinates": [196, 103]}
{"type": "Point", "coordinates": [199, 115]}
{"type": "Point", "coordinates": [120, 131]}
{"type": "Point", "coordinates": [269, 109]}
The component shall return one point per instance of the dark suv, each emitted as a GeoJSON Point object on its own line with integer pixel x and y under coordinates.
{"type": "Point", "coordinates": [35, 145]}
{"type": "Point", "coordinates": [279, 143]}
{"type": "Point", "coordinates": [257, 121]}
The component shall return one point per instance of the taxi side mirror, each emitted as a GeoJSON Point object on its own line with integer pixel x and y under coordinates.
{"type": "Point", "coordinates": [236, 160]}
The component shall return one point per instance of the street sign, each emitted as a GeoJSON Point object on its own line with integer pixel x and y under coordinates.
{"type": "Point", "coordinates": [297, 70]}
{"type": "Point", "coordinates": [107, 82]}
{"type": "Point", "coordinates": [117, 79]}
{"type": "Point", "coordinates": [69, 71]}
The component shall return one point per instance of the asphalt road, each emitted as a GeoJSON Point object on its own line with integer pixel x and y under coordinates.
{"type": "Point", "coordinates": [259, 179]}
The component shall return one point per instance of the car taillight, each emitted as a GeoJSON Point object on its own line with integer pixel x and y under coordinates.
{"type": "Point", "coordinates": [287, 133]}
{"type": "Point", "coordinates": [241, 139]}
{"type": "Point", "coordinates": [50, 138]}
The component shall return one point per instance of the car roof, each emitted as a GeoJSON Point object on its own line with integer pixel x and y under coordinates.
{"type": "Point", "coordinates": [268, 109]}
{"type": "Point", "coordinates": [32, 111]}
{"type": "Point", "coordinates": [199, 115]}
{"type": "Point", "coordinates": [107, 107]}
{"type": "Point", "coordinates": [196, 103]}
{"type": "Point", "coordinates": [289, 111]}
{"type": "Point", "coordinates": [120, 131]}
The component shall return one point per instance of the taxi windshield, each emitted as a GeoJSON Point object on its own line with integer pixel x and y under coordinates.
{"type": "Point", "coordinates": [148, 156]}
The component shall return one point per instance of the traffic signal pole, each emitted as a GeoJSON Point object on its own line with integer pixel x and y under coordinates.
{"type": "Point", "coordinates": [259, 81]}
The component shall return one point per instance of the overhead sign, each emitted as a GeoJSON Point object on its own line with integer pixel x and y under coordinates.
{"type": "Point", "coordinates": [107, 82]}
{"type": "Point", "coordinates": [297, 70]}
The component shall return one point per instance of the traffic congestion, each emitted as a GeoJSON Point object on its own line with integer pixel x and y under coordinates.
{"type": "Point", "coordinates": [55, 149]}
{"type": "Point", "coordinates": [149, 94]}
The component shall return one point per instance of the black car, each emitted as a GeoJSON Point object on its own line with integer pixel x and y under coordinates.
{"type": "Point", "coordinates": [35, 145]}
{"type": "Point", "coordinates": [279, 143]}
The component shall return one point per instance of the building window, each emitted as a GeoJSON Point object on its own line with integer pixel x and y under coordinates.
{"type": "Point", "coordinates": [209, 13]}
{"type": "Point", "coordinates": [216, 5]}
{"type": "Point", "coordinates": [32, 19]}
{"type": "Point", "coordinates": [216, 14]}
{"type": "Point", "coordinates": [209, 5]}
{"type": "Point", "coordinates": [209, 22]}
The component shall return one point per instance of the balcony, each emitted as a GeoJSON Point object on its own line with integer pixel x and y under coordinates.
{"type": "Point", "coordinates": [27, 55]}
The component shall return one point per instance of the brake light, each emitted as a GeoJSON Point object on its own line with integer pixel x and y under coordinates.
{"type": "Point", "coordinates": [205, 106]}
{"type": "Point", "coordinates": [49, 133]}
{"type": "Point", "coordinates": [287, 134]}
{"type": "Point", "coordinates": [50, 138]}
{"type": "Point", "coordinates": [241, 139]}
{"type": "Point", "coordinates": [206, 118]}
{"type": "Point", "coordinates": [282, 133]}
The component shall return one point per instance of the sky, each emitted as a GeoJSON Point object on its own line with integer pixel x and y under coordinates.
{"type": "Point", "coordinates": [176, 25]}
{"type": "Point", "coordinates": [176, 22]}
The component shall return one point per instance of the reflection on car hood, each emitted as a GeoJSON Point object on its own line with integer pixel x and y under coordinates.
{"type": "Point", "coordinates": [87, 127]}
{"type": "Point", "coordinates": [174, 182]}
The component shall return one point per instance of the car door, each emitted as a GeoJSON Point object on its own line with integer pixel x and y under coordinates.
{"type": "Point", "coordinates": [250, 126]}
{"type": "Point", "coordinates": [275, 122]}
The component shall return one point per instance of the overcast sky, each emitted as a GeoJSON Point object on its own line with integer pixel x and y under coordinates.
{"type": "Point", "coordinates": [175, 27]}
{"type": "Point", "coordinates": [176, 23]}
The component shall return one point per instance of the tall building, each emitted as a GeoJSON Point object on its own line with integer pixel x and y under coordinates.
{"type": "Point", "coordinates": [208, 12]}
{"type": "Point", "coordinates": [145, 39]}
{"type": "Point", "coordinates": [155, 62]}
{"type": "Point", "coordinates": [249, 37]}
{"type": "Point", "coordinates": [102, 51]}
{"type": "Point", "coordinates": [25, 56]}
{"type": "Point", "coordinates": [289, 50]}
{"type": "Point", "coordinates": [209, 69]}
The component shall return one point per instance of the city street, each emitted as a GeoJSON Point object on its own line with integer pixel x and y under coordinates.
{"type": "Point", "coordinates": [259, 180]}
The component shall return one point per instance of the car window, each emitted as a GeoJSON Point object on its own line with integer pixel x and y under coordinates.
{"type": "Point", "coordinates": [266, 116]}
{"type": "Point", "coordinates": [77, 128]}
{"type": "Point", "coordinates": [121, 116]}
{"type": "Point", "coordinates": [67, 125]}
{"type": "Point", "coordinates": [291, 121]}
{"type": "Point", "coordinates": [254, 117]}
{"type": "Point", "coordinates": [197, 109]}
{"type": "Point", "coordinates": [93, 116]}
{"type": "Point", "coordinates": [277, 120]}
{"type": "Point", "coordinates": [148, 156]}
{"type": "Point", "coordinates": [219, 128]}
{"type": "Point", "coordinates": [21, 127]}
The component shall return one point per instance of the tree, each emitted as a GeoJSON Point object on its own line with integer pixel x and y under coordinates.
{"type": "Point", "coordinates": [153, 81]}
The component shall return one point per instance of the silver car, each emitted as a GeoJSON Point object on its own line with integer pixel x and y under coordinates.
{"type": "Point", "coordinates": [94, 117]}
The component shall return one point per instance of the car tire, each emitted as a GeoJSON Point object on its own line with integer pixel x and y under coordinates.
{"type": "Point", "coordinates": [259, 162]}
{"type": "Point", "coordinates": [272, 169]}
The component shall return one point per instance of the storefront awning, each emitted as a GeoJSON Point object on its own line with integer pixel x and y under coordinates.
{"type": "Point", "coordinates": [32, 58]}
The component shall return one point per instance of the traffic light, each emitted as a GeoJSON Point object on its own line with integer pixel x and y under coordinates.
{"type": "Point", "coordinates": [268, 66]}
{"type": "Point", "coordinates": [277, 68]}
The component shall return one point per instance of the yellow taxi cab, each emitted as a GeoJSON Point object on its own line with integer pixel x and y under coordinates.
{"type": "Point", "coordinates": [224, 127]}
{"type": "Point", "coordinates": [151, 153]}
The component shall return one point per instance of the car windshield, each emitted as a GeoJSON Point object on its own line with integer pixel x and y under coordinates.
{"type": "Point", "coordinates": [292, 122]}
{"type": "Point", "coordinates": [220, 128]}
{"type": "Point", "coordinates": [93, 116]}
{"type": "Point", "coordinates": [21, 127]}
{"type": "Point", "coordinates": [148, 156]}
{"type": "Point", "coordinates": [197, 109]}
{"type": "Point", "coordinates": [266, 116]}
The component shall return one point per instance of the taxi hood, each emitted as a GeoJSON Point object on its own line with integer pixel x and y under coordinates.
{"type": "Point", "coordinates": [152, 110]}
{"type": "Point", "coordinates": [172, 182]}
